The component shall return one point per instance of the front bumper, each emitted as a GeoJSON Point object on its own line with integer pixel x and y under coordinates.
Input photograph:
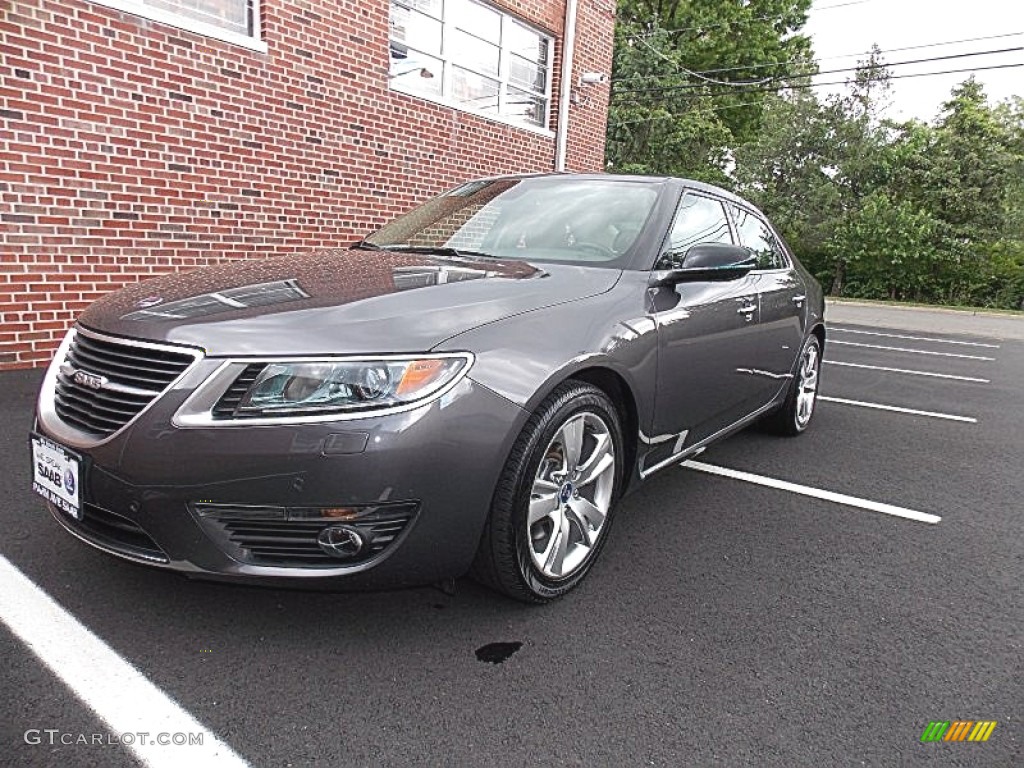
{"type": "Point", "coordinates": [427, 474]}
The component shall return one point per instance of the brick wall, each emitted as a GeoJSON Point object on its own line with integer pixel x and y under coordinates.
{"type": "Point", "coordinates": [129, 148]}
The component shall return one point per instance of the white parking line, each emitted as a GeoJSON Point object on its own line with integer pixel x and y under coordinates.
{"type": "Point", "coordinates": [805, 490]}
{"type": "Point", "coordinates": [897, 409]}
{"type": "Point", "coordinates": [907, 370]}
{"type": "Point", "coordinates": [111, 687]}
{"type": "Point", "coordinates": [914, 338]}
{"type": "Point", "coordinates": [906, 349]}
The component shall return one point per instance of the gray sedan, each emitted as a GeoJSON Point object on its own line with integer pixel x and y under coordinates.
{"type": "Point", "coordinates": [471, 388]}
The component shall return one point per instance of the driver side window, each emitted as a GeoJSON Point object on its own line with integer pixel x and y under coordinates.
{"type": "Point", "coordinates": [698, 220]}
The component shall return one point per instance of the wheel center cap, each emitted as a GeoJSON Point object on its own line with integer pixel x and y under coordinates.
{"type": "Point", "coordinates": [566, 493]}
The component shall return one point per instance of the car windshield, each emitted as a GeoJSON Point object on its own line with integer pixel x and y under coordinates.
{"type": "Point", "coordinates": [592, 221]}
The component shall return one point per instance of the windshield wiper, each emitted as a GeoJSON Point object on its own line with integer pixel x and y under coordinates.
{"type": "Point", "coordinates": [366, 245]}
{"type": "Point", "coordinates": [436, 250]}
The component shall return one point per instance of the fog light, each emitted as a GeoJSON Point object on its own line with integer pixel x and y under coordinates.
{"type": "Point", "coordinates": [341, 541]}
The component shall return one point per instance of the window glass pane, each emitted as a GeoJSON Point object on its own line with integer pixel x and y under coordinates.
{"type": "Point", "coordinates": [455, 50]}
{"type": "Point", "coordinates": [525, 42]}
{"type": "Point", "coordinates": [474, 91]}
{"type": "Point", "coordinates": [227, 14]}
{"type": "Point", "coordinates": [523, 104]}
{"type": "Point", "coordinates": [476, 19]}
{"type": "Point", "coordinates": [756, 235]}
{"type": "Point", "coordinates": [415, 71]}
{"type": "Point", "coordinates": [527, 74]}
{"type": "Point", "coordinates": [431, 7]}
{"type": "Point", "coordinates": [415, 29]}
{"type": "Point", "coordinates": [472, 52]}
{"type": "Point", "coordinates": [698, 220]}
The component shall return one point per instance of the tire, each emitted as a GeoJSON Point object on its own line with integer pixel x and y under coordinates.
{"type": "Point", "coordinates": [545, 531]}
{"type": "Point", "coordinates": [794, 416]}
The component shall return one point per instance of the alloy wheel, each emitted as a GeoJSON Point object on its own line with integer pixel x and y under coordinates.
{"type": "Point", "coordinates": [807, 385]}
{"type": "Point", "coordinates": [571, 495]}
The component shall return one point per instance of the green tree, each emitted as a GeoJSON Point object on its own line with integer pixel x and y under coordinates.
{"type": "Point", "coordinates": [690, 76]}
{"type": "Point", "coordinates": [675, 131]}
{"type": "Point", "coordinates": [812, 164]}
{"type": "Point", "coordinates": [929, 212]}
{"type": "Point", "coordinates": [887, 247]}
{"type": "Point", "coordinates": [787, 171]}
{"type": "Point", "coordinates": [965, 170]}
{"type": "Point", "coordinates": [926, 211]}
{"type": "Point", "coordinates": [971, 165]}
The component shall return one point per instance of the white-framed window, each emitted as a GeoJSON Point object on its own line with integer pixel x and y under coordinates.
{"type": "Point", "coordinates": [473, 57]}
{"type": "Point", "coordinates": [234, 21]}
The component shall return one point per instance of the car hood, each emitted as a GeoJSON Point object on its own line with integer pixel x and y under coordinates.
{"type": "Point", "coordinates": [337, 301]}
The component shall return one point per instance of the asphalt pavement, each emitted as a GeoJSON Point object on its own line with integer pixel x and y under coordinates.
{"type": "Point", "coordinates": [727, 623]}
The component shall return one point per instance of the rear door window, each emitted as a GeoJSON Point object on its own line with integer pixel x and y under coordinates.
{"type": "Point", "coordinates": [756, 235]}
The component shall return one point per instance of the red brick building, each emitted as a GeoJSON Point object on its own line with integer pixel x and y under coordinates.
{"type": "Point", "coordinates": [144, 136]}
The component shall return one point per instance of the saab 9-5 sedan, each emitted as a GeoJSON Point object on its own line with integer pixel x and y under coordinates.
{"type": "Point", "coordinates": [470, 389]}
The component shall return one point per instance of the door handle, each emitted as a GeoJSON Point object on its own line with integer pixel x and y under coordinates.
{"type": "Point", "coordinates": [748, 311]}
{"type": "Point", "coordinates": [799, 300]}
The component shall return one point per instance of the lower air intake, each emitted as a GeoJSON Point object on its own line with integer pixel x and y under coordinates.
{"type": "Point", "coordinates": [291, 537]}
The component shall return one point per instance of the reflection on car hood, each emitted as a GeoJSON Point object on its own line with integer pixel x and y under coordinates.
{"type": "Point", "coordinates": [337, 301]}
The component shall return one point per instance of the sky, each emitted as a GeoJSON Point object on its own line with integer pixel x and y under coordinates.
{"type": "Point", "coordinates": [843, 30]}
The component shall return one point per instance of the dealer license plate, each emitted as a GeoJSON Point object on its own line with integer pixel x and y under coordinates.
{"type": "Point", "coordinates": [55, 475]}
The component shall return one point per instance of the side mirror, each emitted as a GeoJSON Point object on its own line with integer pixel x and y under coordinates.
{"type": "Point", "coordinates": [709, 262]}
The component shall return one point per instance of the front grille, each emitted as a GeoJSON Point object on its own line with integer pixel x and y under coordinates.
{"type": "Point", "coordinates": [112, 532]}
{"type": "Point", "coordinates": [266, 535]}
{"type": "Point", "coordinates": [133, 376]}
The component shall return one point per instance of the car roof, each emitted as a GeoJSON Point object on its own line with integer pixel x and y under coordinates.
{"type": "Point", "coordinates": [588, 176]}
{"type": "Point", "coordinates": [693, 184]}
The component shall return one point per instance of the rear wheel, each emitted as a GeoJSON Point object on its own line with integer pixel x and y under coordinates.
{"type": "Point", "coordinates": [794, 416]}
{"type": "Point", "coordinates": [552, 508]}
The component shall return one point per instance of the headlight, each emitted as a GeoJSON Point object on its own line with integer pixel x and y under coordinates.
{"type": "Point", "coordinates": [341, 386]}
{"type": "Point", "coordinates": [312, 390]}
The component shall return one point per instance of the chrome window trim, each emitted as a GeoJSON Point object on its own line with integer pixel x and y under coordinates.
{"type": "Point", "coordinates": [197, 410]}
{"type": "Point", "coordinates": [55, 427]}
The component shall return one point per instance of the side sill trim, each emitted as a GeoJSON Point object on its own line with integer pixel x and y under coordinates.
{"type": "Point", "coordinates": [699, 447]}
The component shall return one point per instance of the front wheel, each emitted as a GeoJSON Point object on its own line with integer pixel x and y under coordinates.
{"type": "Point", "coordinates": [552, 508]}
{"type": "Point", "coordinates": [794, 416]}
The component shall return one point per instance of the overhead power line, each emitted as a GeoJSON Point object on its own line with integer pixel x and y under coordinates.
{"type": "Point", "coordinates": [806, 86]}
{"type": "Point", "coordinates": [925, 45]}
{"type": "Point", "coordinates": [747, 68]}
{"type": "Point", "coordinates": [765, 81]}
{"type": "Point", "coordinates": [840, 5]}
{"type": "Point", "coordinates": [681, 69]}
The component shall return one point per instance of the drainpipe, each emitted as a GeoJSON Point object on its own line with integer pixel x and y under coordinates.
{"type": "Point", "coordinates": [565, 91]}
